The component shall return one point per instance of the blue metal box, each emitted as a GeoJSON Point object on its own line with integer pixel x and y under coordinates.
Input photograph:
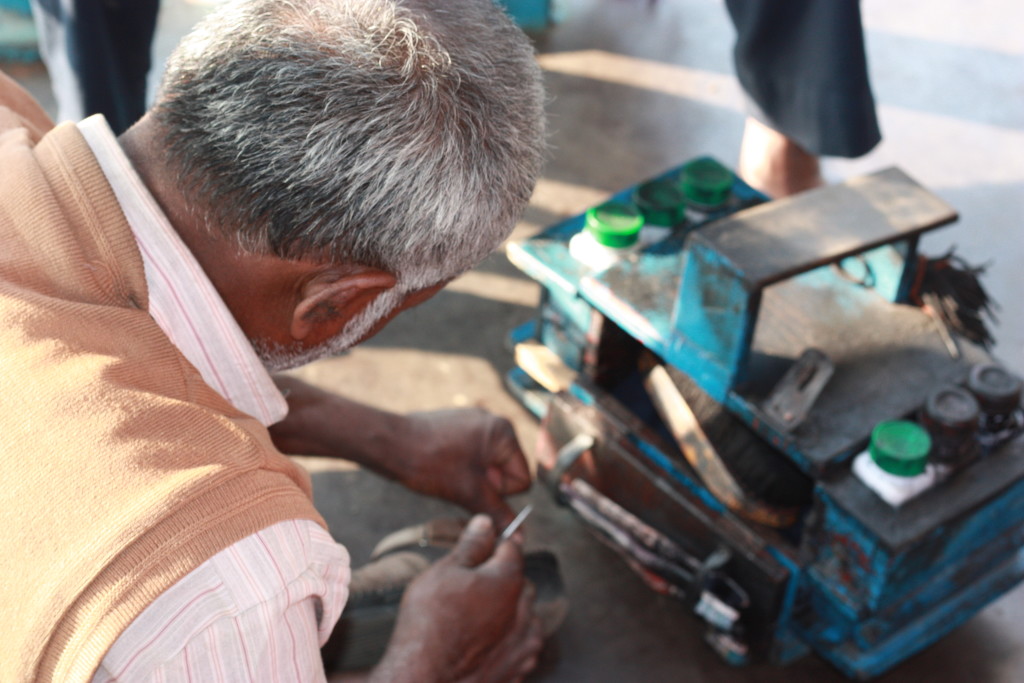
{"type": "Point", "coordinates": [730, 303]}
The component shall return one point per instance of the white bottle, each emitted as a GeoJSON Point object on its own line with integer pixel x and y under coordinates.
{"type": "Point", "coordinates": [610, 232]}
{"type": "Point", "coordinates": [895, 465]}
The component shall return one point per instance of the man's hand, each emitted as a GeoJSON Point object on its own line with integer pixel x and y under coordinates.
{"type": "Point", "coordinates": [469, 457]}
{"type": "Point", "coordinates": [467, 618]}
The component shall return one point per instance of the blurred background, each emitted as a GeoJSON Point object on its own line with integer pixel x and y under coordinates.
{"type": "Point", "coordinates": [636, 87]}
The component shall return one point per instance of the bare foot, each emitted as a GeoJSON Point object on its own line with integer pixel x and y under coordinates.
{"type": "Point", "coordinates": [774, 164]}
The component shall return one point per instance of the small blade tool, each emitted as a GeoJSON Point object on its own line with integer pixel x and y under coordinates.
{"type": "Point", "coordinates": [515, 523]}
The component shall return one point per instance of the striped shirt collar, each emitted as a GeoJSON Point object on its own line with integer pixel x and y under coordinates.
{"type": "Point", "coordinates": [182, 300]}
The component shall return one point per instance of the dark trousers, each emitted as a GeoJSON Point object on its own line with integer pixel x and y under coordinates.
{"type": "Point", "coordinates": [804, 69]}
{"type": "Point", "coordinates": [98, 55]}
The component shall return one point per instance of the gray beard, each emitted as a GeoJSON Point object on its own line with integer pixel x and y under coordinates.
{"type": "Point", "coordinates": [277, 357]}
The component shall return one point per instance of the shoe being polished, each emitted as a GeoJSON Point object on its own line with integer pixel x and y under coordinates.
{"type": "Point", "coordinates": [375, 592]}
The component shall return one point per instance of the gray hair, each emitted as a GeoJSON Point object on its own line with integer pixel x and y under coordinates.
{"type": "Point", "coordinates": [405, 135]}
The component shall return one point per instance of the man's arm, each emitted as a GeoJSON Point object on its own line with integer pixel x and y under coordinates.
{"type": "Point", "coordinates": [468, 457]}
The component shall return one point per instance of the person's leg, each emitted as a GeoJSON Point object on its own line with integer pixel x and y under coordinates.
{"type": "Point", "coordinates": [52, 18]}
{"type": "Point", "coordinates": [98, 55]}
{"type": "Point", "coordinates": [130, 25]}
{"type": "Point", "coordinates": [774, 164]}
{"type": "Point", "coordinates": [803, 67]}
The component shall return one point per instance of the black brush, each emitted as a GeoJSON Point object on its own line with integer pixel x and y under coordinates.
{"type": "Point", "coordinates": [950, 290]}
{"type": "Point", "coordinates": [764, 472]}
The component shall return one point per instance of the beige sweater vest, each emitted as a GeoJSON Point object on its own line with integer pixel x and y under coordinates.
{"type": "Point", "coordinates": [122, 470]}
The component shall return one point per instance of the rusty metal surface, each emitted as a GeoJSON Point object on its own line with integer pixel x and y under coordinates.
{"type": "Point", "coordinates": [618, 470]}
{"type": "Point", "coordinates": [783, 238]}
{"type": "Point", "coordinates": [961, 495]}
{"type": "Point", "coordinates": [887, 358]}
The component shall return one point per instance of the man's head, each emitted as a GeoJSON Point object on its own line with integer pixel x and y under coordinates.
{"type": "Point", "coordinates": [396, 141]}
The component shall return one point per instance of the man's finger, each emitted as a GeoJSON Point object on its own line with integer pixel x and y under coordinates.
{"type": "Point", "coordinates": [507, 560]}
{"type": "Point", "coordinates": [510, 474]}
{"type": "Point", "coordinates": [476, 543]}
{"type": "Point", "coordinates": [508, 460]}
{"type": "Point", "coordinates": [493, 504]}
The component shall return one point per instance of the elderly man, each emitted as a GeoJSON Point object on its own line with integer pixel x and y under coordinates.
{"type": "Point", "coordinates": [310, 169]}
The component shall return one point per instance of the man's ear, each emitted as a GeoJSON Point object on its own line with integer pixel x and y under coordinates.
{"type": "Point", "coordinates": [334, 296]}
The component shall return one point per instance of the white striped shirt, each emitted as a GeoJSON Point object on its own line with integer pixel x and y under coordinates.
{"type": "Point", "coordinates": [260, 609]}
{"type": "Point", "coordinates": [257, 611]}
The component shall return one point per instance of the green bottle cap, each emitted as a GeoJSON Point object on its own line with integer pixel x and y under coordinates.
{"type": "Point", "coordinates": [662, 202]}
{"type": "Point", "coordinates": [705, 182]}
{"type": "Point", "coordinates": [615, 223]}
{"type": "Point", "coordinates": [900, 447]}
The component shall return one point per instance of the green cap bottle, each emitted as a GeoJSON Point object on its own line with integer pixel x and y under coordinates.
{"type": "Point", "coordinates": [900, 447]}
{"type": "Point", "coordinates": [661, 202]}
{"type": "Point", "coordinates": [706, 183]}
{"type": "Point", "coordinates": [614, 224]}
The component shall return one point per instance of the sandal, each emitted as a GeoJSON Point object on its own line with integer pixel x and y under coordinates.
{"type": "Point", "coordinates": [362, 633]}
